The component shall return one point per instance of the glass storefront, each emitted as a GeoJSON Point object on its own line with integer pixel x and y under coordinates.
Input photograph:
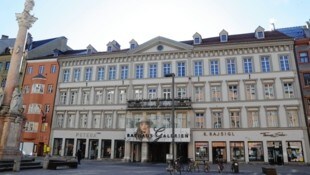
{"type": "Point", "coordinates": [69, 143]}
{"type": "Point", "coordinates": [202, 151]}
{"type": "Point", "coordinates": [237, 151]}
{"type": "Point", "coordinates": [57, 146]}
{"type": "Point", "coordinates": [256, 151]}
{"type": "Point", "coordinates": [275, 152]}
{"type": "Point", "coordinates": [105, 148]}
{"type": "Point", "coordinates": [81, 144]}
{"type": "Point", "coordinates": [93, 149]}
{"type": "Point", "coordinates": [119, 148]}
{"type": "Point", "coordinates": [219, 152]}
{"type": "Point", "coordinates": [294, 152]}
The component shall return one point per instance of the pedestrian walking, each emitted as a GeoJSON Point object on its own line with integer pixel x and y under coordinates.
{"type": "Point", "coordinates": [78, 155]}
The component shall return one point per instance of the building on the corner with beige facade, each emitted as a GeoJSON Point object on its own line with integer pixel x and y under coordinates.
{"type": "Point", "coordinates": [236, 97]}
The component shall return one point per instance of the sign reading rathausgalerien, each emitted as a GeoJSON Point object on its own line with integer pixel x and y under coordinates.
{"type": "Point", "coordinates": [158, 135]}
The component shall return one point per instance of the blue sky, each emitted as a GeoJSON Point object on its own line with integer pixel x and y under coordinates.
{"type": "Point", "coordinates": [97, 22]}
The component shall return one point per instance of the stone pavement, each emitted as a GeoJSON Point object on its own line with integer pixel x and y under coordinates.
{"type": "Point", "coordinates": [94, 167]}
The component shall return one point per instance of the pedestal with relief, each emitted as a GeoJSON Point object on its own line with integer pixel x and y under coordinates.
{"type": "Point", "coordinates": [11, 111]}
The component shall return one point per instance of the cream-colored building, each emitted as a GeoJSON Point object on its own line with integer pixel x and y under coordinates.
{"type": "Point", "coordinates": [236, 97]}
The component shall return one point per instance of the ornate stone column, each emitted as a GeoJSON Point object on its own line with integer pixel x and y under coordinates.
{"type": "Point", "coordinates": [11, 112]}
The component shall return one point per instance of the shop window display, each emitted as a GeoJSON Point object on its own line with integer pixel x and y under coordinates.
{"type": "Point", "coordinates": [256, 152]}
{"type": "Point", "coordinates": [294, 152]}
{"type": "Point", "coordinates": [202, 151]}
{"type": "Point", "coordinates": [237, 151]}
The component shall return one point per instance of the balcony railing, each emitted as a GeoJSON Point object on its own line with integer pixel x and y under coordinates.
{"type": "Point", "coordinates": [179, 103]}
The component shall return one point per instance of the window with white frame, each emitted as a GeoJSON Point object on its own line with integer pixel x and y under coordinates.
{"type": "Point", "coordinates": [217, 118]}
{"type": "Point", "coordinates": [41, 69]}
{"type": "Point", "coordinates": [265, 64]}
{"type": "Point", "coordinates": [214, 67]}
{"type": "Point", "coordinates": [60, 121]}
{"type": "Point", "coordinates": [73, 98]}
{"type": "Point", "coordinates": [167, 93]}
{"type": "Point", "coordinates": [181, 92]}
{"type": "Point", "coordinates": [224, 38]}
{"type": "Point", "coordinates": [83, 121]}
{"type": "Point", "coordinates": [139, 71]}
{"type": "Point", "coordinates": [303, 57]}
{"type": "Point", "coordinates": [88, 73]}
{"type": "Point", "coordinates": [47, 108]}
{"type": "Point", "coordinates": [233, 94]}
{"type": "Point", "coordinates": [98, 97]}
{"type": "Point", "coordinates": [100, 73]}
{"type": "Point", "coordinates": [181, 69]}
{"type": "Point", "coordinates": [292, 117]}
{"type": "Point", "coordinates": [216, 93]}
{"type": "Point", "coordinates": [231, 66]}
{"type": "Point", "coordinates": [121, 120]}
{"type": "Point", "coordinates": [108, 120]}
{"type": "Point", "coordinates": [85, 97]}
{"type": "Point", "coordinates": [167, 120]}
{"type": "Point", "coordinates": [66, 75]}
{"type": "Point", "coordinates": [166, 68]}
{"type": "Point", "coordinates": [124, 72]}
{"type": "Point", "coordinates": [70, 120]}
{"type": "Point", "coordinates": [34, 108]}
{"type": "Point", "coordinates": [181, 121]}
{"type": "Point", "coordinates": [269, 91]}
{"type": "Point", "coordinates": [26, 89]}
{"type": "Point", "coordinates": [152, 93]}
{"type": "Point", "coordinates": [37, 88]}
{"type": "Point", "coordinates": [122, 96]}
{"type": "Point", "coordinates": [112, 72]}
{"type": "Point", "coordinates": [153, 70]}
{"type": "Point", "coordinates": [76, 74]}
{"type": "Point", "coordinates": [199, 120]}
{"type": "Point", "coordinates": [53, 68]}
{"type": "Point", "coordinates": [288, 90]}
{"type": "Point", "coordinates": [50, 88]}
{"type": "Point", "coordinates": [138, 94]}
{"type": "Point", "coordinates": [136, 119]}
{"type": "Point", "coordinates": [272, 118]}
{"type": "Point", "coordinates": [63, 98]}
{"type": "Point", "coordinates": [110, 96]}
{"type": "Point", "coordinates": [29, 70]}
{"type": "Point", "coordinates": [284, 63]}
{"type": "Point", "coordinates": [235, 119]}
{"type": "Point", "coordinates": [250, 91]}
{"type": "Point", "coordinates": [96, 121]}
{"type": "Point", "coordinates": [199, 93]}
{"type": "Point", "coordinates": [198, 68]}
{"type": "Point", "coordinates": [253, 118]}
{"type": "Point", "coordinates": [247, 65]}
{"type": "Point", "coordinates": [31, 126]}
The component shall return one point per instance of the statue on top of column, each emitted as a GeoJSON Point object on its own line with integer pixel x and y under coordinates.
{"type": "Point", "coordinates": [25, 18]}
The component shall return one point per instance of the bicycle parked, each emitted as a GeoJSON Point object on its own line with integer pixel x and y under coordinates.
{"type": "Point", "coordinates": [175, 166]}
{"type": "Point", "coordinates": [206, 166]}
{"type": "Point", "coordinates": [192, 165]}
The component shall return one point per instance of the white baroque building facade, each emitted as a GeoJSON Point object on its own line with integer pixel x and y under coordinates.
{"type": "Point", "coordinates": [236, 97]}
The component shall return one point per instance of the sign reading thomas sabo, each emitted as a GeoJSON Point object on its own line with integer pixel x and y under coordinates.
{"type": "Point", "coordinates": [158, 135]}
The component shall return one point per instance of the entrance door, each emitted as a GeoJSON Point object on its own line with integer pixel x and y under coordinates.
{"type": "Point", "coordinates": [40, 149]}
{"type": "Point", "coordinates": [182, 152]}
{"type": "Point", "coordinates": [81, 144]}
{"type": "Point", "coordinates": [219, 152]}
{"type": "Point", "coordinates": [275, 152]}
{"type": "Point", "coordinates": [93, 149]}
{"type": "Point", "coordinates": [158, 151]}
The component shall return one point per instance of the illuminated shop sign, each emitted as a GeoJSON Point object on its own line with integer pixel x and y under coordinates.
{"type": "Point", "coordinates": [158, 135]}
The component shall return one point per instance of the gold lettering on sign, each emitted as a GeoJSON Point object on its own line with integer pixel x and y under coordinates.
{"type": "Point", "coordinates": [219, 133]}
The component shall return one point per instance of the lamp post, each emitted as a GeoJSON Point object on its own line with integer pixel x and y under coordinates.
{"type": "Point", "coordinates": [172, 120]}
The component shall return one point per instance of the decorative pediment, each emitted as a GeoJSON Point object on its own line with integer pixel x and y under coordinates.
{"type": "Point", "coordinates": [160, 44]}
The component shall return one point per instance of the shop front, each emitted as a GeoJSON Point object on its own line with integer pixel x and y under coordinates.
{"type": "Point", "coordinates": [274, 147]}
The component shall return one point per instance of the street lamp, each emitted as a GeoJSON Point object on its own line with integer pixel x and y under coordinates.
{"type": "Point", "coordinates": [172, 120]}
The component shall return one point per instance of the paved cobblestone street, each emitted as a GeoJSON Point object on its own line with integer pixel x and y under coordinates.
{"type": "Point", "coordinates": [93, 167]}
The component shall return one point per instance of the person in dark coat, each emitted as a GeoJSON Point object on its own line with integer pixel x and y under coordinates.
{"type": "Point", "coordinates": [78, 155]}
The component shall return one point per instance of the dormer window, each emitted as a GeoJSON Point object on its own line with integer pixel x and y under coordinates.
{"type": "Point", "coordinates": [132, 46]}
{"type": "Point", "coordinates": [259, 33]}
{"type": "Point", "coordinates": [223, 36]}
{"type": "Point", "coordinates": [109, 49]}
{"type": "Point", "coordinates": [197, 38]}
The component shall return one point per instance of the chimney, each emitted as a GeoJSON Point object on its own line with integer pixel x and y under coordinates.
{"type": "Point", "coordinates": [4, 37]}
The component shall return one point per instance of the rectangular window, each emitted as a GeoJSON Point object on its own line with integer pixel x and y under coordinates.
{"type": "Point", "coordinates": [7, 65]}
{"type": "Point", "coordinates": [166, 68]}
{"type": "Point", "coordinates": [288, 90]}
{"type": "Point", "coordinates": [88, 74]}
{"type": "Point", "coordinates": [295, 152]}
{"type": "Point", "coordinates": [108, 121]}
{"type": "Point", "coordinates": [181, 69]}
{"type": "Point", "coordinates": [83, 121]}
{"type": "Point", "coordinates": [272, 118]}
{"type": "Point", "coordinates": [66, 75]}
{"type": "Point", "coordinates": [124, 72]}
{"type": "Point", "coordinates": [237, 151]}
{"type": "Point", "coordinates": [59, 121]}
{"type": "Point", "coordinates": [152, 94]}
{"type": "Point", "coordinates": [31, 126]}
{"type": "Point", "coordinates": [181, 92]}
{"type": "Point", "coordinates": [77, 74]}
{"type": "Point", "coordinates": [214, 67]}
{"type": "Point", "coordinates": [217, 118]}
{"type": "Point", "coordinates": [41, 69]}
{"type": "Point", "coordinates": [96, 121]}
{"type": "Point", "coordinates": [139, 71]}
{"type": "Point", "coordinates": [202, 151]}
{"type": "Point", "coordinates": [233, 93]}
{"type": "Point", "coordinates": [199, 120]}
{"type": "Point", "coordinates": [153, 71]}
{"type": "Point", "coordinates": [265, 63]}
{"type": "Point", "coordinates": [247, 65]}
{"type": "Point", "coordinates": [199, 93]}
{"type": "Point", "coordinates": [100, 74]}
{"type": "Point", "coordinates": [284, 63]}
{"type": "Point", "coordinates": [63, 98]}
{"type": "Point", "coordinates": [30, 70]}
{"type": "Point", "coordinates": [231, 66]}
{"type": "Point", "coordinates": [167, 93]}
{"type": "Point", "coordinates": [98, 97]}
{"type": "Point", "coordinates": [256, 151]}
{"type": "Point", "coordinates": [73, 98]}
{"type": "Point", "coordinates": [250, 91]}
{"type": "Point", "coordinates": [110, 96]}
{"type": "Point", "coordinates": [70, 122]}
{"type": "Point", "coordinates": [112, 72]}
{"type": "Point", "coordinates": [53, 68]}
{"type": "Point", "coordinates": [253, 119]}
{"type": "Point", "coordinates": [50, 88]}
{"type": "Point", "coordinates": [198, 68]}
{"type": "Point", "coordinates": [235, 120]}
{"type": "Point", "coordinates": [307, 79]}
{"type": "Point", "coordinates": [180, 121]}
{"type": "Point", "coordinates": [292, 117]}
{"type": "Point", "coordinates": [216, 94]}
{"type": "Point", "coordinates": [304, 58]}
{"type": "Point", "coordinates": [269, 91]}
{"type": "Point", "coordinates": [138, 94]}
{"type": "Point", "coordinates": [85, 97]}
{"type": "Point", "coordinates": [34, 108]}
{"type": "Point", "coordinates": [121, 120]}
{"type": "Point", "coordinates": [122, 96]}
{"type": "Point", "coordinates": [47, 108]}
{"type": "Point", "coordinates": [37, 88]}
{"type": "Point", "coordinates": [26, 89]}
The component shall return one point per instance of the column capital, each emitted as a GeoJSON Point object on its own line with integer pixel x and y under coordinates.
{"type": "Point", "coordinates": [24, 19]}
